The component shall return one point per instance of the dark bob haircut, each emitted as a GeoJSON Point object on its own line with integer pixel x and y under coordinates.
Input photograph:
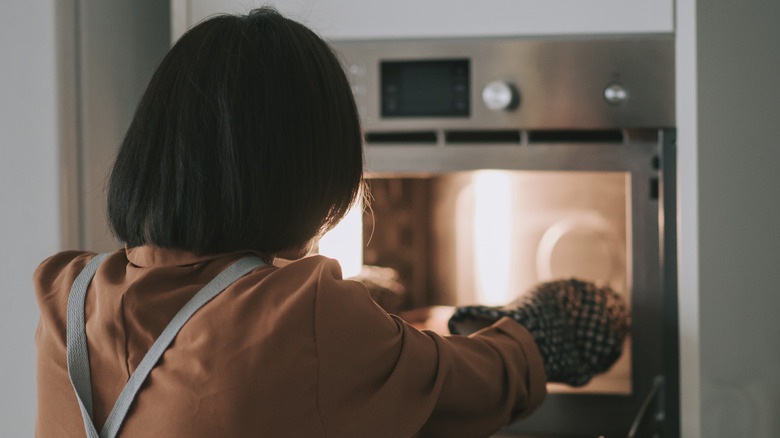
{"type": "Point", "coordinates": [247, 138]}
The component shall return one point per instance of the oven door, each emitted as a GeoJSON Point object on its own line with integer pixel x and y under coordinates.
{"type": "Point", "coordinates": [482, 223]}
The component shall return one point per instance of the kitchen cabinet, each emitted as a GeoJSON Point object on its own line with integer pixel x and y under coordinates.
{"type": "Point", "coordinates": [378, 19]}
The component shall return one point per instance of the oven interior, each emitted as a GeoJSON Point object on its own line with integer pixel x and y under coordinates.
{"type": "Point", "coordinates": [487, 236]}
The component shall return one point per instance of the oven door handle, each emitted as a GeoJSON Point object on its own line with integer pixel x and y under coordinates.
{"type": "Point", "coordinates": [657, 393]}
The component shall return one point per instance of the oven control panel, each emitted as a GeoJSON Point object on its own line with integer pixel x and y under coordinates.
{"type": "Point", "coordinates": [512, 83]}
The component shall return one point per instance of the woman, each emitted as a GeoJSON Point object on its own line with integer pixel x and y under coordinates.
{"type": "Point", "coordinates": [247, 143]}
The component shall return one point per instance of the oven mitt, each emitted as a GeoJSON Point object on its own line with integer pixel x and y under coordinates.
{"type": "Point", "coordinates": [578, 326]}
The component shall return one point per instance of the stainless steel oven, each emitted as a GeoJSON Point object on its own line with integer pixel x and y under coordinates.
{"type": "Point", "coordinates": [498, 163]}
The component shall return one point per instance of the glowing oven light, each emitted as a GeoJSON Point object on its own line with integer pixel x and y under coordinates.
{"type": "Point", "coordinates": [345, 242]}
{"type": "Point", "coordinates": [492, 231]}
{"type": "Point", "coordinates": [493, 236]}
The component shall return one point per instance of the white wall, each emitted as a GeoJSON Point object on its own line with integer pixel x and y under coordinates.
{"type": "Point", "coordinates": [729, 136]}
{"type": "Point", "coordinates": [688, 221]}
{"type": "Point", "coordinates": [70, 76]}
{"type": "Point", "coordinates": [738, 124]}
{"type": "Point", "coordinates": [29, 217]}
{"type": "Point", "coordinates": [361, 19]}
{"type": "Point", "coordinates": [120, 44]}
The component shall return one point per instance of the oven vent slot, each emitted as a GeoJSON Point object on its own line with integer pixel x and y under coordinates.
{"type": "Point", "coordinates": [483, 136]}
{"type": "Point", "coordinates": [576, 136]}
{"type": "Point", "coordinates": [508, 136]}
{"type": "Point", "coordinates": [402, 137]}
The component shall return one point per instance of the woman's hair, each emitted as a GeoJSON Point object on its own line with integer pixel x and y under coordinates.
{"type": "Point", "coordinates": [247, 137]}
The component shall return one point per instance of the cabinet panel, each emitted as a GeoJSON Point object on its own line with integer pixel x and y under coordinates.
{"type": "Point", "coordinates": [369, 19]}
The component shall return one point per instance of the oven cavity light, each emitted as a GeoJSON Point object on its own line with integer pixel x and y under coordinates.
{"type": "Point", "coordinates": [345, 242]}
{"type": "Point", "coordinates": [492, 236]}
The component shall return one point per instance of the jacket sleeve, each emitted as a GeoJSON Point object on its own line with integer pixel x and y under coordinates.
{"type": "Point", "coordinates": [378, 376]}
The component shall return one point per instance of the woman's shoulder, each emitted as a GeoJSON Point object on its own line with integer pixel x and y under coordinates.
{"type": "Point", "coordinates": [323, 276]}
{"type": "Point", "coordinates": [62, 261]}
{"type": "Point", "coordinates": [58, 270]}
{"type": "Point", "coordinates": [52, 282]}
{"type": "Point", "coordinates": [313, 266]}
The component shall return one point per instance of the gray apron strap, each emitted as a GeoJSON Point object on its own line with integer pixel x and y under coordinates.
{"type": "Point", "coordinates": [76, 343]}
{"type": "Point", "coordinates": [76, 339]}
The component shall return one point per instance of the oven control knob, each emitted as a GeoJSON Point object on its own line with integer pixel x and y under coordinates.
{"type": "Point", "coordinates": [500, 96]}
{"type": "Point", "coordinates": [616, 94]}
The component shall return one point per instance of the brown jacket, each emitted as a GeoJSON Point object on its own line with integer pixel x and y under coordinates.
{"type": "Point", "coordinates": [284, 352]}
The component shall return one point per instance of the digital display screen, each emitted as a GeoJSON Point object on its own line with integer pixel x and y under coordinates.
{"type": "Point", "coordinates": [430, 88]}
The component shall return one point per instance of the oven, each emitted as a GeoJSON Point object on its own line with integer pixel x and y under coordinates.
{"type": "Point", "coordinates": [497, 163]}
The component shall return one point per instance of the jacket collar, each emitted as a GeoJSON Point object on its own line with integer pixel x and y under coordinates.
{"type": "Point", "coordinates": [146, 256]}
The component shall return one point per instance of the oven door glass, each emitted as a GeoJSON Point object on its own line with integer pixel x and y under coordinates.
{"type": "Point", "coordinates": [488, 236]}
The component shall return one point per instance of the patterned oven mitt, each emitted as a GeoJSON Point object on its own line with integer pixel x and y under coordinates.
{"type": "Point", "coordinates": [578, 326]}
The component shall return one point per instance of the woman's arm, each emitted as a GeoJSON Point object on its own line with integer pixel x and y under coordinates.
{"type": "Point", "coordinates": [379, 376]}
